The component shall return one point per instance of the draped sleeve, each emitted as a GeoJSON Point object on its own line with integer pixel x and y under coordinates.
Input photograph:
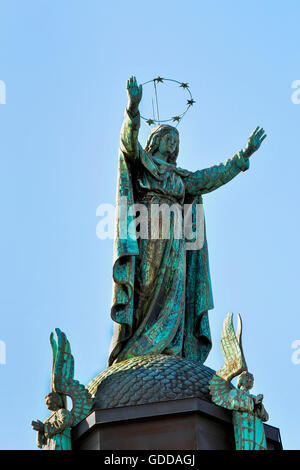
{"type": "Point", "coordinates": [131, 149]}
{"type": "Point", "coordinates": [209, 179]}
{"type": "Point", "coordinates": [129, 145]}
{"type": "Point", "coordinates": [62, 419]}
{"type": "Point", "coordinates": [131, 157]}
{"type": "Point", "coordinates": [240, 401]}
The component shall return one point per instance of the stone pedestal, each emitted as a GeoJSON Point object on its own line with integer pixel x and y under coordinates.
{"type": "Point", "coordinates": [183, 424]}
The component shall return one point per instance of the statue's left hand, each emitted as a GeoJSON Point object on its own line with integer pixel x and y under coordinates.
{"type": "Point", "coordinates": [37, 425]}
{"type": "Point", "coordinates": [254, 141]}
{"type": "Point", "coordinates": [258, 399]}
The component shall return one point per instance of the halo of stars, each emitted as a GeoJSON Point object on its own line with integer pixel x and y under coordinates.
{"type": "Point", "coordinates": [175, 119]}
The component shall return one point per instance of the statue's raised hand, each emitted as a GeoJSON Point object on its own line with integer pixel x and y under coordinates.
{"type": "Point", "coordinates": [134, 94]}
{"type": "Point", "coordinates": [37, 425]}
{"type": "Point", "coordinates": [254, 141]}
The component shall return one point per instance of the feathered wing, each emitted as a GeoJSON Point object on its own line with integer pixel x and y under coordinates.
{"type": "Point", "coordinates": [232, 351]}
{"type": "Point", "coordinates": [63, 362]}
{"type": "Point", "coordinates": [220, 391]}
{"type": "Point", "coordinates": [225, 395]}
{"type": "Point", "coordinates": [62, 380]}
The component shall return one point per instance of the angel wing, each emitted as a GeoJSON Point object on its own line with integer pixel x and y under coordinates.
{"type": "Point", "coordinates": [62, 380]}
{"type": "Point", "coordinates": [222, 392]}
{"type": "Point", "coordinates": [232, 350]}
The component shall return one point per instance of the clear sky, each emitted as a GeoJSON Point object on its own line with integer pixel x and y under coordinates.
{"type": "Point", "coordinates": [65, 64]}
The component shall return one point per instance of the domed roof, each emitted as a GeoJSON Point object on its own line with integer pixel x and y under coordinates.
{"type": "Point", "coordinates": [148, 379]}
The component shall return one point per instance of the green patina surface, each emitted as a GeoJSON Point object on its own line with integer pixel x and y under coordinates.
{"type": "Point", "coordinates": [55, 432]}
{"type": "Point", "coordinates": [161, 288]}
{"type": "Point", "coordinates": [162, 291]}
{"type": "Point", "coordinates": [248, 431]}
{"type": "Point", "coordinates": [248, 412]}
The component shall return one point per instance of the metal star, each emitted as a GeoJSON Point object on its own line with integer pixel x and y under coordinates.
{"type": "Point", "coordinates": [184, 85]}
{"type": "Point", "coordinates": [176, 118]}
{"type": "Point", "coordinates": [191, 102]}
{"type": "Point", "coordinates": [159, 79]}
{"type": "Point", "coordinates": [150, 122]}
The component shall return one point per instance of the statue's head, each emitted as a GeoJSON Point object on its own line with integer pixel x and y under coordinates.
{"type": "Point", "coordinates": [245, 381]}
{"type": "Point", "coordinates": [164, 139]}
{"type": "Point", "coordinates": [54, 401]}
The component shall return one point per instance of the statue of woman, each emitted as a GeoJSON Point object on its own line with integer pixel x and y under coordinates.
{"type": "Point", "coordinates": [162, 291]}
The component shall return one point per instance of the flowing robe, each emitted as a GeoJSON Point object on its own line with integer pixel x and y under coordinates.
{"type": "Point", "coordinates": [248, 421]}
{"type": "Point", "coordinates": [161, 291]}
{"type": "Point", "coordinates": [57, 431]}
{"type": "Point", "coordinates": [247, 415]}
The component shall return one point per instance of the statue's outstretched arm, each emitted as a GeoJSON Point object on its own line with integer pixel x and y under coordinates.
{"type": "Point", "coordinates": [209, 179]}
{"type": "Point", "coordinates": [131, 123]}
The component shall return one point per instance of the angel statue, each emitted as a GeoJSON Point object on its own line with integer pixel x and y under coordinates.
{"type": "Point", "coordinates": [161, 288]}
{"type": "Point", "coordinates": [248, 412]}
{"type": "Point", "coordinates": [55, 432]}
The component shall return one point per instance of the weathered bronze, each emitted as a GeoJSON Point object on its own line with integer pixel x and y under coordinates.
{"type": "Point", "coordinates": [55, 432]}
{"type": "Point", "coordinates": [162, 291]}
{"type": "Point", "coordinates": [150, 379]}
{"type": "Point", "coordinates": [248, 412]}
{"type": "Point", "coordinates": [161, 297]}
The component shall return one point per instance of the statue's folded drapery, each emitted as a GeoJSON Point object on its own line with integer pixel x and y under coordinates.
{"type": "Point", "coordinates": [161, 291]}
{"type": "Point", "coordinates": [57, 432]}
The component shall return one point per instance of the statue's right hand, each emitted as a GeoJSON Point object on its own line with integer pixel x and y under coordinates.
{"type": "Point", "coordinates": [37, 425]}
{"type": "Point", "coordinates": [134, 94]}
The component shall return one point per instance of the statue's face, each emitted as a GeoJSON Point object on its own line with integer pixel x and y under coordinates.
{"type": "Point", "coordinates": [168, 143]}
{"type": "Point", "coordinates": [247, 381]}
{"type": "Point", "coordinates": [53, 402]}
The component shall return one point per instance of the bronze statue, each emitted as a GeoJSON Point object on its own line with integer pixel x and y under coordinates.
{"type": "Point", "coordinates": [248, 412]}
{"type": "Point", "coordinates": [162, 291]}
{"type": "Point", "coordinates": [55, 432]}
{"type": "Point", "coordinates": [161, 294]}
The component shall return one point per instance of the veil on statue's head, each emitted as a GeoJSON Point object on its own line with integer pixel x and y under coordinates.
{"type": "Point", "coordinates": [154, 137]}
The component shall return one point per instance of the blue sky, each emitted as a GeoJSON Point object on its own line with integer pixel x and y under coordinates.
{"type": "Point", "coordinates": [65, 66]}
